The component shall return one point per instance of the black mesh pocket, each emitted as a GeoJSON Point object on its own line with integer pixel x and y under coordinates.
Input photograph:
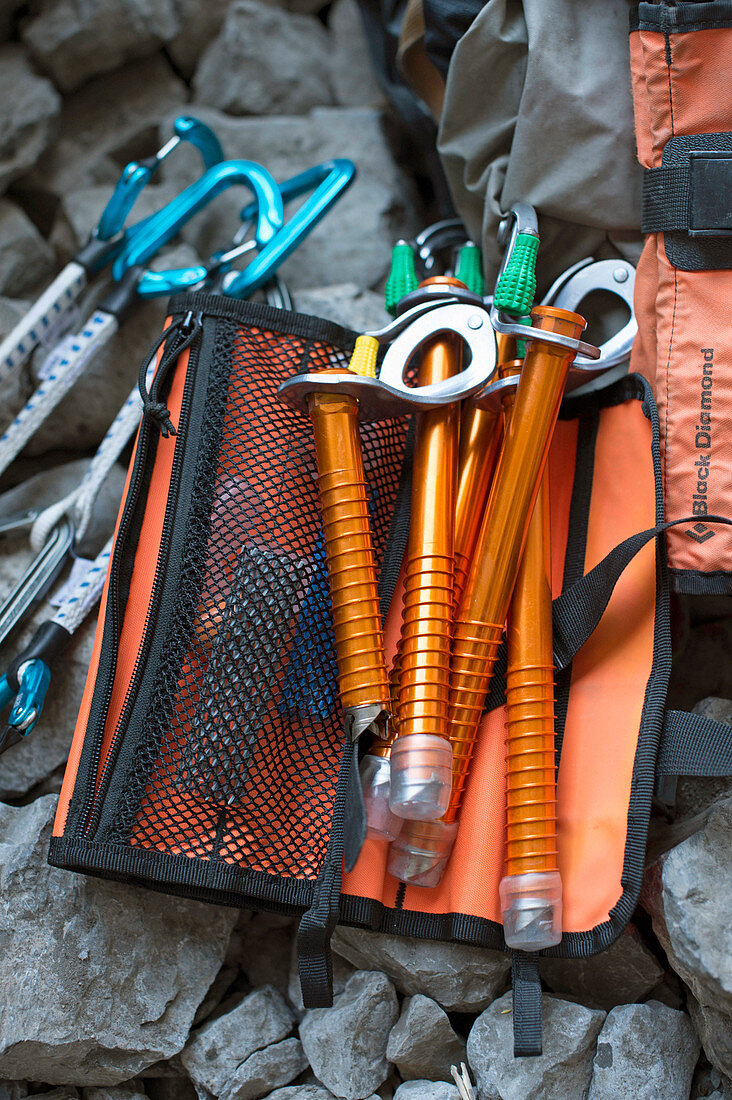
{"type": "Point", "coordinates": [237, 756]}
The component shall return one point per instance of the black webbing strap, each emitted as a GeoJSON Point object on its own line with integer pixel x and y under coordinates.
{"type": "Point", "coordinates": [314, 957]}
{"type": "Point", "coordinates": [666, 201]}
{"type": "Point", "coordinates": [694, 745]}
{"type": "Point", "coordinates": [579, 609]}
{"type": "Point", "coordinates": [526, 1004]}
{"type": "Point", "coordinates": [688, 191]}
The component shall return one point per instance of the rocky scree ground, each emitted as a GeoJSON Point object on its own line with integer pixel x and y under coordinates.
{"type": "Point", "coordinates": [113, 993]}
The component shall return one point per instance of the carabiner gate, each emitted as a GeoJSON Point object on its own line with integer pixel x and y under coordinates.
{"type": "Point", "coordinates": [26, 701]}
{"type": "Point", "coordinates": [137, 174]}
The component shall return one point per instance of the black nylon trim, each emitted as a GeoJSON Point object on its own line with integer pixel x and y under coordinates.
{"type": "Point", "coordinates": [264, 316]}
{"type": "Point", "coordinates": [631, 387]}
{"type": "Point", "coordinates": [693, 582]}
{"type": "Point", "coordinates": [574, 558]}
{"type": "Point", "coordinates": [682, 17]}
{"type": "Point", "coordinates": [106, 670]}
{"type": "Point", "coordinates": [205, 365]}
{"type": "Point", "coordinates": [206, 880]}
{"type": "Point", "coordinates": [314, 958]}
{"type": "Point", "coordinates": [526, 1004]}
{"type": "Point", "coordinates": [665, 203]}
{"type": "Point", "coordinates": [694, 745]}
{"type": "Point", "coordinates": [578, 611]}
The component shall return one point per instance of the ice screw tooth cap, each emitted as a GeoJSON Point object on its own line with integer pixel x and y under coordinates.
{"type": "Point", "coordinates": [402, 276]}
{"type": "Point", "coordinates": [469, 269]}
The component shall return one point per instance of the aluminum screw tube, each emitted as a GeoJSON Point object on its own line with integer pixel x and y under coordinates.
{"type": "Point", "coordinates": [362, 678]}
{"type": "Point", "coordinates": [420, 856]}
{"type": "Point", "coordinates": [531, 891]}
{"type": "Point", "coordinates": [421, 758]}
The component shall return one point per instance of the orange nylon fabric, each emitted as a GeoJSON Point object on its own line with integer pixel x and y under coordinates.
{"type": "Point", "coordinates": [140, 587]}
{"type": "Point", "coordinates": [681, 86]}
{"type": "Point", "coordinates": [607, 694]}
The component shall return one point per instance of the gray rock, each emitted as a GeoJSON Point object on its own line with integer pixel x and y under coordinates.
{"type": "Point", "coordinates": [108, 980]}
{"type": "Point", "coordinates": [301, 1092]}
{"type": "Point", "coordinates": [689, 895]}
{"type": "Point", "coordinates": [200, 24]}
{"type": "Point", "coordinates": [422, 1043]}
{"type": "Point", "coordinates": [352, 73]}
{"type": "Point", "coordinates": [310, 7]}
{"type": "Point", "coordinates": [353, 242]}
{"type": "Point", "coordinates": [346, 1044]}
{"type": "Point", "coordinates": [79, 211]}
{"type": "Point", "coordinates": [229, 1054]}
{"type": "Point", "coordinates": [16, 390]}
{"type": "Point", "coordinates": [274, 1065]}
{"type": "Point", "coordinates": [264, 955]}
{"type": "Point", "coordinates": [116, 1092]}
{"type": "Point", "coordinates": [74, 42]}
{"type": "Point", "coordinates": [223, 982]}
{"type": "Point", "coordinates": [26, 260]}
{"type": "Point", "coordinates": [27, 116]}
{"type": "Point", "coordinates": [7, 11]}
{"type": "Point", "coordinates": [696, 794]}
{"type": "Point", "coordinates": [458, 977]}
{"type": "Point", "coordinates": [427, 1090]}
{"type": "Point", "coordinates": [710, 1084]}
{"type": "Point", "coordinates": [714, 1030]}
{"type": "Point", "coordinates": [626, 972]}
{"type": "Point", "coordinates": [89, 151]}
{"type": "Point", "coordinates": [56, 1094]}
{"type": "Point", "coordinates": [563, 1070]}
{"type": "Point", "coordinates": [645, 1051]}
{"type": "Point", "coordinates": [13, 1090]}
{"type": "Point", "coordinates": [346, 304]}
{"type": "Point", "coordinates": [265, 62]}
{"type": "Point", "coordinates": [342, 971]}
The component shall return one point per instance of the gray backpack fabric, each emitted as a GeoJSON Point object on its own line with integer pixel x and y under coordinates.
{"type": "Point", "coordinates": [538, 108]}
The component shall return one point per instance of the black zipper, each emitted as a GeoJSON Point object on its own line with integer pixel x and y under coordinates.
{"type": "Point", "coordinates": [94, 796]}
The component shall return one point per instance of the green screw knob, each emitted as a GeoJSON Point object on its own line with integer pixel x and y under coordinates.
{"type": "Point", "coordinates": [517, 285]}
{"type": "Point", "coordinates": [402, 276]}
{"type": "Point", "coordinates": [469, 269]}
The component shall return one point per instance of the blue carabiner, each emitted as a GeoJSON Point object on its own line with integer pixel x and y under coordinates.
{"type": "Point", "coordinates": [163, 226]}
{"type": "Point", "coordinates": [26, 703]}
{"type": "Point", "coordinates": [137, 174]}
{"type": "Point", "coordinates": [326, 183]}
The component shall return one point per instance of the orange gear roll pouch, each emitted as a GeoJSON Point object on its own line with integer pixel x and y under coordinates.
{"type": "Point", "coordinates": [681, 56]}
{"type": "Point", "coordinates": [209, 758]}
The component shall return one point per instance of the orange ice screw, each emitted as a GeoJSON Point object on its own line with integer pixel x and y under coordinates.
{"type": "Point", "coordinates": [362, 678]}
{"type": "Point", "coordinates": [420, 856]}
{"type": "Point", "coordinates": [531, 891]}
{"type": "Point", "coordinates": [421, 758]}
{"type": "Point", "coordinates": [480, 441]}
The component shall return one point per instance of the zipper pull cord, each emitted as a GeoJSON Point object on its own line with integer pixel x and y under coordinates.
{"type": "Point", "coordinates": [186, 332]}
